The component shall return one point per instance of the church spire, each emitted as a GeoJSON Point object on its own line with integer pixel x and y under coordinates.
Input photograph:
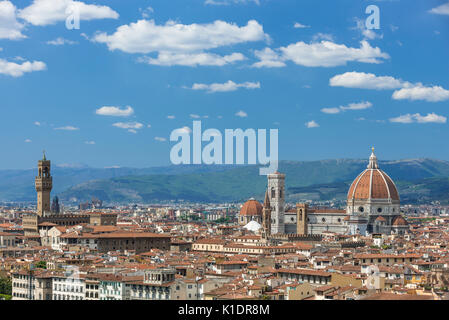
{"type": "Point", "coordinates": [373, 161]}
{"type": "Point", "coordinates": [44, 158]}
{"type": "Point", "coordinates": [266, 202]}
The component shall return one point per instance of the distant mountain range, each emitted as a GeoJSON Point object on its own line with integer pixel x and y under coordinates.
{"type": "Point", "coordinates": [418, 181]}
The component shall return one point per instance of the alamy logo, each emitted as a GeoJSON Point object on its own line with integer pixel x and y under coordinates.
{"type": "Point", "coordinates": [73, 17]}
{"type": "Point", "coordinates": [373, 20]}
{"type": "Point", "coordinates": [212, 153]}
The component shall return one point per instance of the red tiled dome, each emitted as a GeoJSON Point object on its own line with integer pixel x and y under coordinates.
{"type": "Point", "coordinates": [380, 219]}
{"type": "Point", "coordinates": [251, 208]}
{"type": "Point", "coordinates": [373, 183]}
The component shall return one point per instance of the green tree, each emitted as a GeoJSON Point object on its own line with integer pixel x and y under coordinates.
{"type": "Point", "coordinates": [5, 285]}
{"type": "Point", "coordinates": [41, 264]}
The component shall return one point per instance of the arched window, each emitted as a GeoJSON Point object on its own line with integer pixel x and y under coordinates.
{"type": "Point", "coordinates": [273, 193]}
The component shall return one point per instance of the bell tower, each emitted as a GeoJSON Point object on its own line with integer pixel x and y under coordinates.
{"type": "Point", "coordinates": [301, 218]}
{"type": "Point", "coordinates": [44, 184]}
{"type": "Point", "coordinates": [266, 217]}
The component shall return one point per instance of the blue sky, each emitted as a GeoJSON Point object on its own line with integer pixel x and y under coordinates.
{"type": "Point", "coordinates": [331, 87]}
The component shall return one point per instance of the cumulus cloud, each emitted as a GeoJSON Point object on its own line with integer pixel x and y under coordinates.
{"type": "Point", "coordinates": [67, 128]}
{"type": "Point", "coordinates": [352, 106]}
{"type": "Point", "coordinates": [161, 139]}
{"type": "Point", "coordinates": [329, 54]}
{"type": "Point", "coordinates": [144, 36]}
{"type": "Point", "coordinates": [28, 141]}
{"type": "Point", "coordinates": [320, 54]}
{"type": "Point", "coordinates": [130, 126]}
{"type": "Point", "coordinates": [47, 12]}
{"type": "Point", "coordinates": [363, 80]}
{"type": "Point", "coordinates": [442, 9]}
{"type": "Point", "coordinates": [312, 124]}
{"type": "Point", "coordinates": [37, 123]}
{"type": "Point", "coordinates": [420, 92]}
{"type": "Point", "coordinates": [115, 111]}
{"type": "Point", "coordinates": [191, 59]}
{"type": "Point", "coordinates": [404, 89]}
{"type": "Point", "coordinates": [90, 142]}
{"type": "Point", "coordinates": [241, 114]}
{"type": "Point", "coordinates": [170, 117]}
{"type": "Point", "coordinates": [225, 87]}
{"type": "Point", "coordinates": [10, 28]}
{"type": "Point", "coordinates": [60, 41]}
{"type": "Point", "coordinates": [17, 70]}
{"type": "Point", "coordinates": [418, 118]}
{"type": "Point", "coordinates": [268, 58]}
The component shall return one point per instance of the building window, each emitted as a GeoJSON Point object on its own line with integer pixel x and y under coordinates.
{"type": "Point", "coordinates": [379, 210]}
{"type": "Point", "coordinates": [361, 209]}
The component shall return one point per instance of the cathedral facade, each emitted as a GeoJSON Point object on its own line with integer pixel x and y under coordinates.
{"type": "Point", "coordinates": [373, 206]}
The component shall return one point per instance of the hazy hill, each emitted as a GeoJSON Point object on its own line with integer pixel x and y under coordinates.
{"type": "Point", "coordinates": [417, 179]}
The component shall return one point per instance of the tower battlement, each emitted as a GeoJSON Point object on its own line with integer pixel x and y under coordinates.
{"type": "Point", "coordinates": [43, 184]}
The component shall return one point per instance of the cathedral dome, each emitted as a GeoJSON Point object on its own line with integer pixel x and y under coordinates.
{"type": "Point", "coordinates": [373, 183]}
{"type": "Point", "coordinates": [251, 207]}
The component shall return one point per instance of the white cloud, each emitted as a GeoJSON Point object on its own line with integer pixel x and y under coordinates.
{"type": "Point", "coordinates": [115, 111]}
{"type": "Point", "coordinates": [61, 41]}
{"type": "Point", "coordinates": [28, 141]}
{"type": "Point", "coordinates": [90, 142]}
{"type": "Point", "coordinates": [37, 123]}
{"type": "Point", "coordinates": [46, 12]}
{"type": "Point", "coordinates": [298, 25]}
{"type": "Point", "coordinates": [405, 89]}
{"type": "Point", "coordinates": [331, 110]}
{"type": "Point", "coordinates": [17, 70]}
{"type": "Point", "coordinates": [144, 36]}
{"type": "Point", "coordinates": [183, 130]}
{"type": "Point", "coordinates": [363, 80]}
{"type": "Point", "coordinates": [146, 12]}
{"type": "Point", "coordinates": [241, 114]}
{"type": "Point", "coordinates": [191, 59]}
{"type": "Point", "coordinates": [418, 118]}
{"type": "Point", "coordinates": [442, 9]}
{"type": "Point", "coordinates": [367, 33]}
{"type": "Point", "coordinates": [268, 59]}
{"type": "Point", "coordinates": [357, 106]}
{"type": "Point", "coordinates": [195, 116]}
{"type": "Point", "coordinates": [225, 87]}
{"type": "Point", "coordinates": [351, 106]}
{"type": "Point", "coordinates": [170, 117]}
{"type": "Point", "coordinates": [67, 128]}
{"type": "Point", "coordinates": [10, 28]}
{"type": "Point", "coordinates": [319, 54]}
{"type": "Point", "coordinates": [130, 126]}
{"type": "Point", "coordinates": [160, 139]}
{"type": "Point", "coordinates": [312, 124]}
{"type": "Point", "coordinates": [420, 92]}
{"type": "Point", "coordinates": [329, 54]}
